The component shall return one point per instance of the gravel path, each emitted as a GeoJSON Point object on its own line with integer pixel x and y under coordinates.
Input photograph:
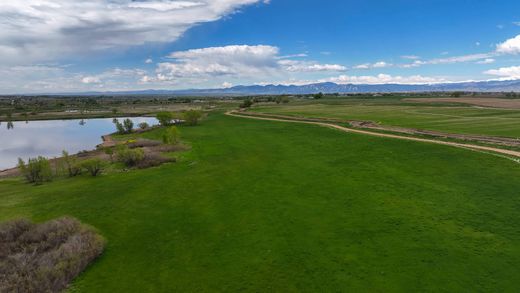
{"type": "Point", "coordinates": [480, 148]}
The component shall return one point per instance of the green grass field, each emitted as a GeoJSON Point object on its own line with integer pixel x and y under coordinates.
{"type": "Point", "coordinates": [259, 206]}
{"type": "Point", "coordinates": [445, 118]}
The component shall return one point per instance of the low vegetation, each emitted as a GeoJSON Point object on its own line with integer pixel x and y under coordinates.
{"type": "Point", "coordinates": [45, 257]}
{"type": "Point", "coordinates": [257, 204]}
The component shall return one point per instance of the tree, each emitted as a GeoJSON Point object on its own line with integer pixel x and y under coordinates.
{"type": "Point", "coordinates": [128, 125]}
{"type": "Point", "coordinates": [318, 96]}
{"type": "Point", "coordinates": [192, 117]}
{"type": "Point", "coordinates": [144, 125]}
{"type": "Point", "coordinates": [246, 104]}
{"type": "Point", "coordinates": [93, 166]}
{"type": "Point", "coordinates": [165, 118]}
{"type": "Point", "coordinates": [119, 126]}
{"type": "Point", "coordinates": [171, 135]}
{"type": "Point", "coordinates": [37, 170]}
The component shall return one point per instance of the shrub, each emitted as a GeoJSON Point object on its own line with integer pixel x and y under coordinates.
{"type": "Point", "coordinates": [71, 164]}
{"type": "Point", "coordinates": [192, 117]}
{"type": "Point", "coordinates": [129, 157]}
{"type": "Point", "coordinates": [144, 125]}
{"type": "Point", "coordinates": [143, 143]}
{"type": "Point", "coordinates": [164, 118]}
{"type": "Point", "coordinates": [153, 160]}
{"type": "Point", "coordinates": [110, 152]}
{"type": "Point", "coordinates": [171, 135]}
{"type": "Point", "coordinates": [37, 170]}
{"type": "Point", "coordinates": [93, 166]}
{"type": "Point", "coordinates": [45, 257]}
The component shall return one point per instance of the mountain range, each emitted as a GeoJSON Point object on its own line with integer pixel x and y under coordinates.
{"type": "Point", "coordinates": [327, 87]}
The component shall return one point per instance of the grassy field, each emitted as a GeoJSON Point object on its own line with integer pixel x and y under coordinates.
{"type": "Point", "coordinates": [265, 206]}
{"type": "Point", "coordinates": [446, 118]}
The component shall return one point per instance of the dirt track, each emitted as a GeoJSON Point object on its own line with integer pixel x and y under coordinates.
{"type": "Point", "coordinates": [510, 153]}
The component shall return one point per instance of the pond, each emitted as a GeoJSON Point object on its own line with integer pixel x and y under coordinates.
{"type": "Point", "coordinates": [50, 137]}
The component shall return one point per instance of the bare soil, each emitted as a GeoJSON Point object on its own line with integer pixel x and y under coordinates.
{"type": "Point", "coordinates": [483, 102]}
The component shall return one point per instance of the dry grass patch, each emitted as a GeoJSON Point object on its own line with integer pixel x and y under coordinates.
{"type": "Point", "coordinates": [45, 257]}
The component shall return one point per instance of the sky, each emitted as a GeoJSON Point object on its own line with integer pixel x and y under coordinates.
{"type": "Point", "coordinates": [55, 46]}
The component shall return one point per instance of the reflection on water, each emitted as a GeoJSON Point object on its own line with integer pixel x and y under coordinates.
{"type": "Point", "coordinates": [49, 138]}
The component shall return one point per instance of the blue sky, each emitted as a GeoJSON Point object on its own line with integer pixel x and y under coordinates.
{"type": "Point", "coordinates": [66, 45]}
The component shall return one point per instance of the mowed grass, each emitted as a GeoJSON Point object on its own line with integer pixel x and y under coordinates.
{"type": "Point", "coordinates": [452, 119]}
{"type": "Point", "coordinates": [260, 206]}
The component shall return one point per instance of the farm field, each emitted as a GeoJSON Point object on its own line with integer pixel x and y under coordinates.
{"type": "Point", "coordinates": [272, 206]}
{"type": "Point", "coordinates": [449, 118]}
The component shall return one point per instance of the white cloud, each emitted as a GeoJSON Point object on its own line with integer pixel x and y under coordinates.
{"type": "Point", "coordinates": [517, 23]}
{"type": "Point", "coordinates": [384, 79]}
{"type": "Point", "coordinates": [226, 85]}
{"type": "Point", "coordinates": [306, 66]}
{"type": "Point", "coordinates": [486, 61]}
{"type": "Point", "coordinates": [410, 57]}
{"type": "Point", "coordinates": [512, 72]}
{"type": "Point", "coordinates": [511, 46]}
{"type": "Point", "coordinates": [47, 29]}
{"type": "Point", "coordinates": [91, 79]}
{"type": "Point", "coordinates": [148, 61]}
{"type": "Point", "coordinates": [380, 64]}
{"type": "Point", "coordinates": [237, 61]}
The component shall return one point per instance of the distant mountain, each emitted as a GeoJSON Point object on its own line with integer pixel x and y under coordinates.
{"type": "Point", "coordinates": [327, 87]}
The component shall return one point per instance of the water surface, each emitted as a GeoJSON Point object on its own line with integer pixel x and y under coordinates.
{"type": "Point", "coordinates": [50, 137]}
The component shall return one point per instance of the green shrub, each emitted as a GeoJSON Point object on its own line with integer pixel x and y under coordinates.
{"type": "Point", "coordinates": [93, 166]}
{"type": "Point", "coordinates": [110, 152]}
{"type": "Point", "coordinates": [45, 257]}
{"type": "Point", "coordinates": [37, 170]}
{"type": "Point", "coordinates": [171, 135]}
{"type": "Point", "coordinates": [144, 125]}
{"type": "Point", "coordinates": [192, 117]}
{"type": "Point", "coordinates": [71, 164]}
{"type": "Point", "coordinates": [129, 157]}
{"type": "Point", "coordinates": [164, 118]}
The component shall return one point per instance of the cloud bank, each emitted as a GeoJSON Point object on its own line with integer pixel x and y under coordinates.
{"type": "Point", "coordinates": [45, 29]}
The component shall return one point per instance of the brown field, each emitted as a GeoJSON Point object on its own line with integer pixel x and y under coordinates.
{"type": "Point", "coordinates": [483, 102]}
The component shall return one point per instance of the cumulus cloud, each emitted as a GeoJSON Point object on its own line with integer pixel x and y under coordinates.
{"type": "Point", "coordinates": [242, 61]}
{"type": "Point", "coordinates": [91, 79]}
{"type": "Point", "coordinates": [506, 73]}
{"type": "Point", "coordinates": [45, 29]}
{"type": "Point", "coordinates": [511, 46]}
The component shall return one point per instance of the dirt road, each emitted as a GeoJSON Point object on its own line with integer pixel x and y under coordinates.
{"type": "Point", "coordinates": [509, 153]}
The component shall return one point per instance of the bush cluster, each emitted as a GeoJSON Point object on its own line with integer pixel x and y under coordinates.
{"type": "Point", "coordinates": [45, 257]}
{"type": "Point", "coordinates": [129, 157]}
{"type": "Point", "coordinates": [37, 170]}
{"type": "Point", "coordinates": [192, 117]}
